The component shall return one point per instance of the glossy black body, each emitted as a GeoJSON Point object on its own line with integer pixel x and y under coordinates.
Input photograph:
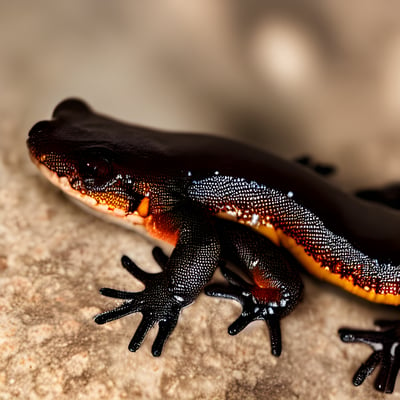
{"type": "Point", "coordinates": [372, 228]}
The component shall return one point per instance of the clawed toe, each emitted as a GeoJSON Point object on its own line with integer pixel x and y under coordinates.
{"type": "Point", "coordinates": [252, 308]}
{"type": "Point", "coordinates": [386, 353]}
{"type": "Point", "coordinates": [156, 303]}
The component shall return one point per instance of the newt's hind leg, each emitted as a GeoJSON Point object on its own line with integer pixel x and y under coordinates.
{"type": "Point", "coordinates": [386, 353]}
{"type": "Point", "coordinates": [276, 288]}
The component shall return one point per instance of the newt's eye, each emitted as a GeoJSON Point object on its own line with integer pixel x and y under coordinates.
{"type": "Point", "coordinates": [96, 169]}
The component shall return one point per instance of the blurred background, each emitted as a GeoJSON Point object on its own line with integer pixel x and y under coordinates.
{"type": "Point", "coordinates": [309, 77]}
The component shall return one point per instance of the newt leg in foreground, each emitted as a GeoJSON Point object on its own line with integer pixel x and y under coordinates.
{"type": "Point", "coordinates": [167, 292]}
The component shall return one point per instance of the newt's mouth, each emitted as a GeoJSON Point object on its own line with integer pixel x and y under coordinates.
{"type": "Point", "coordinates": [105, 202]}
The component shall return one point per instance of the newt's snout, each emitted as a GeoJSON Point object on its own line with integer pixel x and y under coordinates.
{"type": "Point", "coordinates": [37, 135]}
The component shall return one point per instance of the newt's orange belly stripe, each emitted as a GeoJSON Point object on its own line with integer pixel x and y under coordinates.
{"type": "Point", "coordinates": [353, 280]}
{"type": "Point", "coordinates": [323, 273]}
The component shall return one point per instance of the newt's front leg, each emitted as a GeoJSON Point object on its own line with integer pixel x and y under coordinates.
{"type": "Point", "coordinates": [184, 274]}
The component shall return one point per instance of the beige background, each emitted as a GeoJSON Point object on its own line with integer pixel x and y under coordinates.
{"type": "Point", "coordinates": [319, 78]}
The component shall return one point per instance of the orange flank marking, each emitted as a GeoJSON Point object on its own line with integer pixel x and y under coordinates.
{"type": "Point", "coordinates": [264, 290]}
{"type": "Point", "coordinates": [325, 274]}
{"type": "Point", "coordinates": [159, 229]}
{"type": "Point", "coordinates": [266, 295]}
{"type": "Point", "coordinates": [260, 280]}
{"type": "Point", "coordinates": [279, 238]}
{"type": "Point", "coordinates": [269, 232]}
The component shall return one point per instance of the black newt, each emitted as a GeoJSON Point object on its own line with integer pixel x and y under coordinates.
{"type": "Point", "coordinates": [218, 200]}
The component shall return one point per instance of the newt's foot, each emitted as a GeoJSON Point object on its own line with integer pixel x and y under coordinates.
{"type": "Point", "coordinates": [253, 309]}
{"type": "Point", "coordinates": [156, 303]}
{"type": "Point", "coordinates": [386, 353]}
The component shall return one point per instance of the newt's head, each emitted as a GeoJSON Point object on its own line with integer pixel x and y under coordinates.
{"type": "Point", "coordinates": [89, 157]}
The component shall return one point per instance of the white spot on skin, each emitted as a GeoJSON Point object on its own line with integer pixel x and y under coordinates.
{"type": "Point", "coordinates": [254, 219]}
{"type": "Point", "coordinates": [255, 263]}
{"type": "Point", "coordinates": [232, 213]}
{"type": "Point", "coordinates": [393, 349]}
{"type": "Point", "coordinates": [378, 346]}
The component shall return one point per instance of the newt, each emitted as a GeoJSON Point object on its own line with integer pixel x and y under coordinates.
{"type": "Point", "coordinates": [219, 201]}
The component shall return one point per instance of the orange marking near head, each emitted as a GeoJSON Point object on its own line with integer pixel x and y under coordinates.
{"type": "Point", "coordinates": [143, 209]}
